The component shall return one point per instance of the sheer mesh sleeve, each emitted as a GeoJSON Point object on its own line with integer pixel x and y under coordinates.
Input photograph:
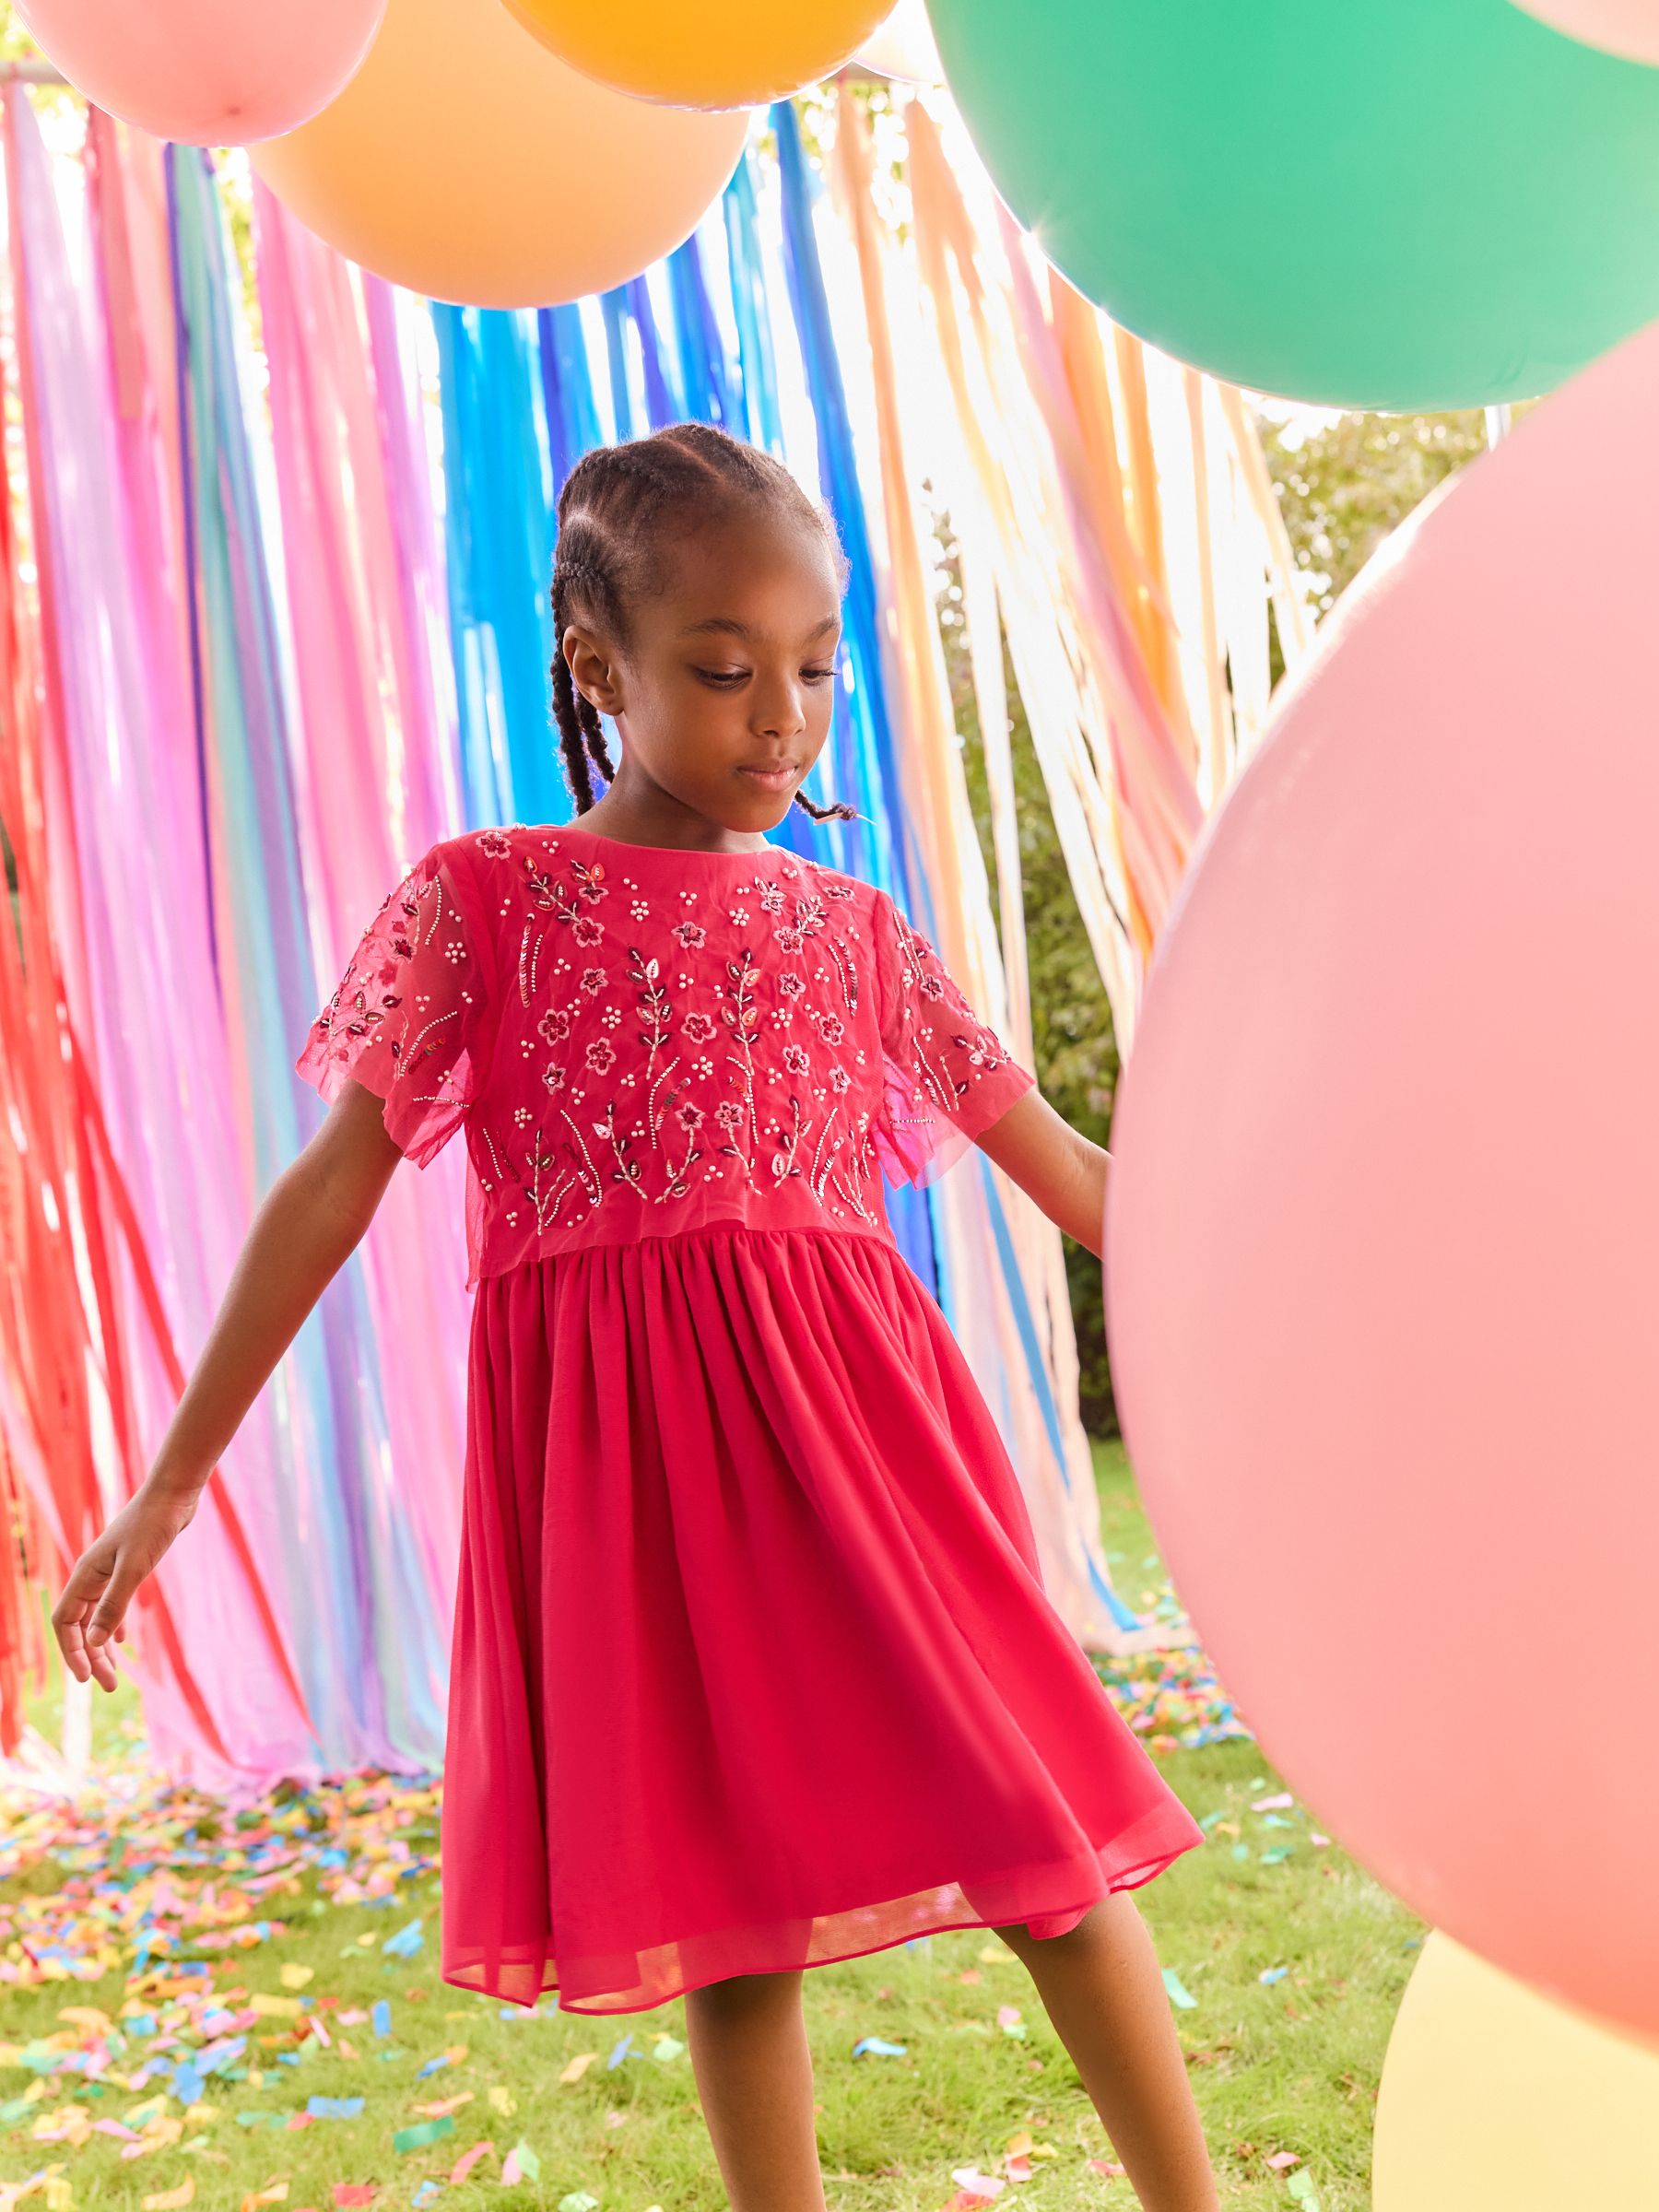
{"type": "Point", "coordinates": [410, 1020]}
{"type": "Point", "coordinates": [945, 1075]}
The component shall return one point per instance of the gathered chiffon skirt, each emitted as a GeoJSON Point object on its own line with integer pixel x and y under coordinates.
{"type": "Point", "coordinates": [752, 1665]}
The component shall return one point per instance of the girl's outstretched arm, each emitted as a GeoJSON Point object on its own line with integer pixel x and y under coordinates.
{"type": "Point", "coordinates": [309, 1223]}
{"type": "Point", "coordinates": [1058, 1170]}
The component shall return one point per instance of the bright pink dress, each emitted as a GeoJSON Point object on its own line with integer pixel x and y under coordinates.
{"type": "Point", "coordinates": [752, 1664]}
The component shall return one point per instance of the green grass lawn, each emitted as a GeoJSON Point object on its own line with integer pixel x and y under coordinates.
{"type": "Point", "coordinates": [1287, 2066]}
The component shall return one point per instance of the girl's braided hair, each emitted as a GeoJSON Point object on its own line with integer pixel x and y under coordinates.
{"type": "Point", "coordinates": [617, 509]}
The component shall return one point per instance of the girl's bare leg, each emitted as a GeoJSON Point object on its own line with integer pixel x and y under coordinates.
{"type": "Point", "coordinates": [754, 2074]}
{"type": "Point", "coordinates": [1103, 1989]}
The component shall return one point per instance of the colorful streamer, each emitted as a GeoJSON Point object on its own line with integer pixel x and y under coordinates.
{"type": "Point", "coordinates": [288, 623]}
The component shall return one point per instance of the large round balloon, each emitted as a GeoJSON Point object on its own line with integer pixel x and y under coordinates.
{"type": "Point", "coordinates": [1491, 2095]}
{"type": "Point", "coordinates": [1378, 204]}
{"type": "Point", "coordinates": [465, 161]}
{"type": "Point", "coordinates": [725, 54]}
{"type": "Point", "coordinates": [1383, 1299]}
{"type": "Point", "coordinates": [207, 72]}
{"type": "Point", "coordinates": [1630, 27]}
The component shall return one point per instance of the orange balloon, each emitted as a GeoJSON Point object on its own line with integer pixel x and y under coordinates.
{"type": "Point", "coordinates": [466, 161]}
{"type": "Point", "coordinates": [725, 54]}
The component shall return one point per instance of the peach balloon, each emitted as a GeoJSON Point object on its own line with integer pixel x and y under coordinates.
{"type": "Point", "coordinates": [723, 54]}
{"type": "Point", "coordinates": [1627, 28]}
{"type": "Point", "coordinates": [465, 161]}
{"type": "Point", "coordinates": [1381, 1272]}
{"type": "Point", "coordinates": [207, 72]}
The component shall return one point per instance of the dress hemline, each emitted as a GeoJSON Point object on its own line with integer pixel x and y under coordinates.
{"type": "Point", "coordinates": [1137, 1879]}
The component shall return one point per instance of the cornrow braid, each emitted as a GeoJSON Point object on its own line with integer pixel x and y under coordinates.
{"type": "Point", "coordinates": [609, 555]}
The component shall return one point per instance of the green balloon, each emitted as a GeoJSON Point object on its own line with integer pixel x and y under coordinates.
{"type": "Point", "coordinates": [1392, 204]}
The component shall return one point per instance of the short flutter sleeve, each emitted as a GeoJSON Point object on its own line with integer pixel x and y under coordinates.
{"type": "Point", "coordinates": [410, 1019]}
{"type": "Point", "coordinates": [945, 1075]}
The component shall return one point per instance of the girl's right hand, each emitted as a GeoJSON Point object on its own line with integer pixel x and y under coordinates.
{"type": "Point", "coordinates": [92, 1612]}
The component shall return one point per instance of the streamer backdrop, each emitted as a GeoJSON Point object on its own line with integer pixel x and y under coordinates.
{"type": "Point", "coordinates": [273, 618]}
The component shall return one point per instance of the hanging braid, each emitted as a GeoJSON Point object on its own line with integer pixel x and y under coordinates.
{"type": "Point", "coordinates": [613, 512]}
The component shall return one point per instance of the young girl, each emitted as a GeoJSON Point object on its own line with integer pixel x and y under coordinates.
{"type": "Point", "coordinates": [752, 1664]}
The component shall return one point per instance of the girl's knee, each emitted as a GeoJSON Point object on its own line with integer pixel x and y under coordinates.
{"type": "Point", "coordinates": [735, 1991]}
{"type": "Point", "coordinates": [1021, 1940]}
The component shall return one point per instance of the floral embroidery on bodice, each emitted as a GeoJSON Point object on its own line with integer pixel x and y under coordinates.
{"type": "Point", "coordinates": [641, 1042]}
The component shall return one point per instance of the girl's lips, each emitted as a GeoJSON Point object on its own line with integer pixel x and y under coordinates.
{"type": "Point", "coordinates": [773, 779]}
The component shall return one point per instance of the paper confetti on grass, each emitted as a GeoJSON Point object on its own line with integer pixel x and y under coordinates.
{"type": "Point", "coordinates": [170, 2200]}
{"type": "Point", "coordinates": [406, 1943]}
{"type": "Point", "coordinates": [270, 2006]}
{"type": "Point", "coordinates": [449, 2057]}
{"type": "Point", "coordinates": [577, 2201]}
{"type": "Point", "coordinates": [521, 2164]}
{"type": "Point", "coordinates": [1273, 1973]}
{"type": "Point", "coordinates": [421, 2133]}
{"type": "Point", "coordinates": [1170, 1698]}
{"type": "Point", "coordinates": [467, 2160]}
{"type": "Point", "coordinates": [873, 2047]}
{"type": "Point", "coordinates": [1300, 2186]}
{"type": "Point", "coordinates": [976, 2183]}
{"type": "Point", "coordinates": [442, 2105]}
{"type": "Point", "coordinates": [1178, 1990]}
{"type": "Point", "coordinates": [620, 2052]}
{"type": "Point", "coordinates": [579, 2065]}
{"type": "Point", "coordinates": [667, 2047]}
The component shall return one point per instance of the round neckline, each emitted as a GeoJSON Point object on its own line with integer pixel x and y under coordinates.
{"type": "Point", "coordinates": [622, 844]}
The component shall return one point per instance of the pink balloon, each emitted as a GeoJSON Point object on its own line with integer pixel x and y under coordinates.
{"type": "Point", "coordinates": [1382, 1249]}
{"type": "Point", "coordinates": [207, 72]}
{"type": "Point", "coordinates": [1628, 28]}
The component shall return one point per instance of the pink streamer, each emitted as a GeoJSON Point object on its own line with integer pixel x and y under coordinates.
{"type": "Point", "coordinates": [144, 998]}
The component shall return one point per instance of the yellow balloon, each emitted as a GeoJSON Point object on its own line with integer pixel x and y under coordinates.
{"type": "Point", "coordinates": [723, 54]}
{"type": "Point", "coordinates": [1493, 2095]}
{"type": "Point", "coordinates": [466, 161]}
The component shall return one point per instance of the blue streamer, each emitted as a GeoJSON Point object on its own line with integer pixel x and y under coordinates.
{"type": "Point", "coordinates": [567, 391]}
{"type": "Point", "coordinates": [705, 374]}
{"type": "Point", "coordinates": [882, 850]}
{"type": "Point", "coordinates": [499, 544]}
{"type": "Point", "coordinates": [1026, 1326]}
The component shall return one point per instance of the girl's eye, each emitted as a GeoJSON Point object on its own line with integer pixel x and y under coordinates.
{"type": "Point", "coordinates": [736, 676]}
